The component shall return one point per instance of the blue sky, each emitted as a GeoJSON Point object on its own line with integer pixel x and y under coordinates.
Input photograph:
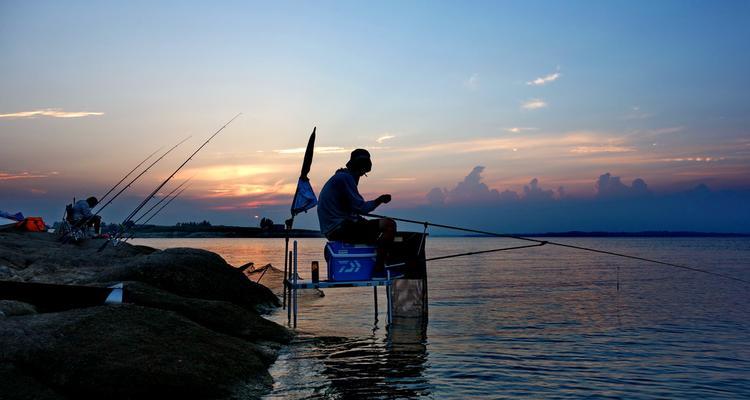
{"type": "Point", "coordinates": [559, 91]}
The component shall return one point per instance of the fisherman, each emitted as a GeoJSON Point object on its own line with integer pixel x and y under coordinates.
{"type": "Point", "coordinates": [83, 217]}
{"type": "Point", "coordinates": [340, 209]}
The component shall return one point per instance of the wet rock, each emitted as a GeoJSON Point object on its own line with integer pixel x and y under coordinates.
{"type": "Point", "coordinates": [10, 308]}
{"type": "Point", "coordinates": [221, 316]}
{"type": "Point", "coordinates": [194, 273]}
{"type": "Point", "coordinates": [15, 384]}
{"type": "Point", "coordinates": [129, 351]}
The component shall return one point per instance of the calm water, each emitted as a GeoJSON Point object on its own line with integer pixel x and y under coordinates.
{"type": "Point", "coordinates": [542, 322]}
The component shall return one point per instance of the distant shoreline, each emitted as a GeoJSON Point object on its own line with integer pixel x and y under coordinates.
{"type": "Point", "coordinates": [219, 231]}
{"type": "Point", "coordinates": [225, 231]}
{"type": "Point", "coordinates": [643, 234]}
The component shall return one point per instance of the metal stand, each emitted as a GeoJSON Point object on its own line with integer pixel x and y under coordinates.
{"type": "Point", "coordinates": [294, 280]}
{"type": "Point", "coordinates": [295, 284]}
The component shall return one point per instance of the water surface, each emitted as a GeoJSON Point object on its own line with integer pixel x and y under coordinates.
{"type": "Point", "coordinates": [543, 322]}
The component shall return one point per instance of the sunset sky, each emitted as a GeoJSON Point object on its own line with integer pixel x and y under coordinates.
{"type": "Point", "coordinates": [510, 110]}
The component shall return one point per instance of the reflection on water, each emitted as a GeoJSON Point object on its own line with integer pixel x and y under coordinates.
{"type": "Point", "coordinates": [539, 323]}
{"type": "Point", "coordinates": [356, 367]}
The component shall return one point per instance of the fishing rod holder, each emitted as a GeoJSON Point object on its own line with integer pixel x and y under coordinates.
{"type": "Point", "coordinates": [294, 283]}
{"type": "Point", "coordinates": [405, 282]}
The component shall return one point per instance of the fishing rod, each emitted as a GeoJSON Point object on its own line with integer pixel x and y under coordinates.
{"type": "Point", "coordinates": [128, 174]}
{"type": "Point", "coordinates": [86, 221]}
{"type": "Point", "coordinates": [153, 193]}
{"type": "Point", "coordinates": [161, 200]}
{"type": "Point", "coordinates": [132, 234]}
{"type": "Point", "coordinates": [138, 176]}
{"type": "Point", "coordinates": [544, 242]}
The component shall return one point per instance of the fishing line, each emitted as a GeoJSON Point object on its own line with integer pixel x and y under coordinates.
{"type": "Point", "coordinates": [484, 251]}
{"type": "Point", "coordinates": [570, 246]}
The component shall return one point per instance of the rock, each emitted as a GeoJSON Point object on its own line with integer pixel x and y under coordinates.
{"type": "Point", "coordinates": [217, 315]}
{"type": "Point", "coordinates": [40, 257]}
{"type": "Point", "coordinates": [6, 273]}
{"type": "Point", "coordinates": [194, 273]}
{"type": "Point", "coordinates": [14, 384]}
{"type": "Point", "coordinates": [129, 351]}
{"type": "Point", "coordinates": [11, 308]}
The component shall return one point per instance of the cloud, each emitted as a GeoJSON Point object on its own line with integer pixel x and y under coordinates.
{"type": "Point", "coordinates": [694, 159]}
{"type": "Point", "coordinates": [229, 172]}
{"type": "Point", "coordinates": [534, 104]}
{"type": "Point", "coordinates": [9, 176]}
{"type": "Point", "coordinates": [519, 129]}
{"type": "Point", "coordinates": [318, 149]}
{"type": "Point", "coordinates": [470, 190]}
{"type": "Point", "coordinates": [544, 79]}
{"type": "Point", "coordinates": [243, 190]}
{"type": "Point", "coordinates": [405, 179]}
{"type": "Point", "coordinates": [50, 112]}
{"type": "Point", "coordinates": [436, 196]}
{"type": "Point", "coordinates": [383, 138]}
{"type": "Point", "coordinates": [608, 186]}
{"type": "Point", "coordinates": [534, 192]}
{"type": "Point", "coordinates": [601, 149]}
{"type": "Point", "coordinates": [472, 82]}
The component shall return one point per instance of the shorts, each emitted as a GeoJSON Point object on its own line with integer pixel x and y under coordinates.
{"type": "Point", "coordinates": [359, 231]}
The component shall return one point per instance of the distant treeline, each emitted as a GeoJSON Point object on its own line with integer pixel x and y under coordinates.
{"type": "Point", "coordinates": [223, 231]}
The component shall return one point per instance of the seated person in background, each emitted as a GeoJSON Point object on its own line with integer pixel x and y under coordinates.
{"type": "Point", "coordinates": [82, 215]}
{"type": "Point", "coordinates": [340, 207]}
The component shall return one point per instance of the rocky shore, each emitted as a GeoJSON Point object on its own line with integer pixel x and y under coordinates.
{"type": "Point", "coordinates": [190, 326]}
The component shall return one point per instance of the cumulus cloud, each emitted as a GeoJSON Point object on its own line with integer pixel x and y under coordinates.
{"type": "Point", "coordinates": [534, 192]}
{"type": "Point", "coordinates": [534, 104]}
{"type": "Point", "coordinates": [50, 112]}
{"type": "Point", "coordinates": [608, 186]}
{"type": "Point", "coordinates": [383, 138]}
{"type": "Point", "coordinates": [470, 190]}
{"type": "Point", "coordinates": [436, 196]}
{"type": "Point", "coordinates": [543, 80]}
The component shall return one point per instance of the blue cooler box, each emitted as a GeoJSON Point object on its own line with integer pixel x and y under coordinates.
{"type": "Point", "coordinates": [350, 262]}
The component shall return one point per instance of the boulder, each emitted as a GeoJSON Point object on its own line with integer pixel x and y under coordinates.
{"type": "Point", "coordinates": [9, 308]}
{"type": "Point", "coordinates": [128, 352]}
{"type": "Point", "coordinates": [193, 273]}
{"type": "Point", "coordinates": [220, 316]}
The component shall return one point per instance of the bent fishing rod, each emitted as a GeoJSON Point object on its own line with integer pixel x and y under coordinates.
{"type": "Point", "coordinates": [128, 174]}
{"type": "Point", "coordinates": [161, 185]}
{"type": "Point", "coordinates": [132, 234]}
{"type": "Point", "coordinates": [545, 242]}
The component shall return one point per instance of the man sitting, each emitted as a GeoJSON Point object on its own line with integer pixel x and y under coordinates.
{"type": "Point", "coordinates": [340, 207]}
{"type": "Point", "coordinates": [83, 217]}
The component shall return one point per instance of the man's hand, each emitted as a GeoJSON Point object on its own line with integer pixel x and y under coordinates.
{"type": "Point", "coordinates": [383, 199]}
